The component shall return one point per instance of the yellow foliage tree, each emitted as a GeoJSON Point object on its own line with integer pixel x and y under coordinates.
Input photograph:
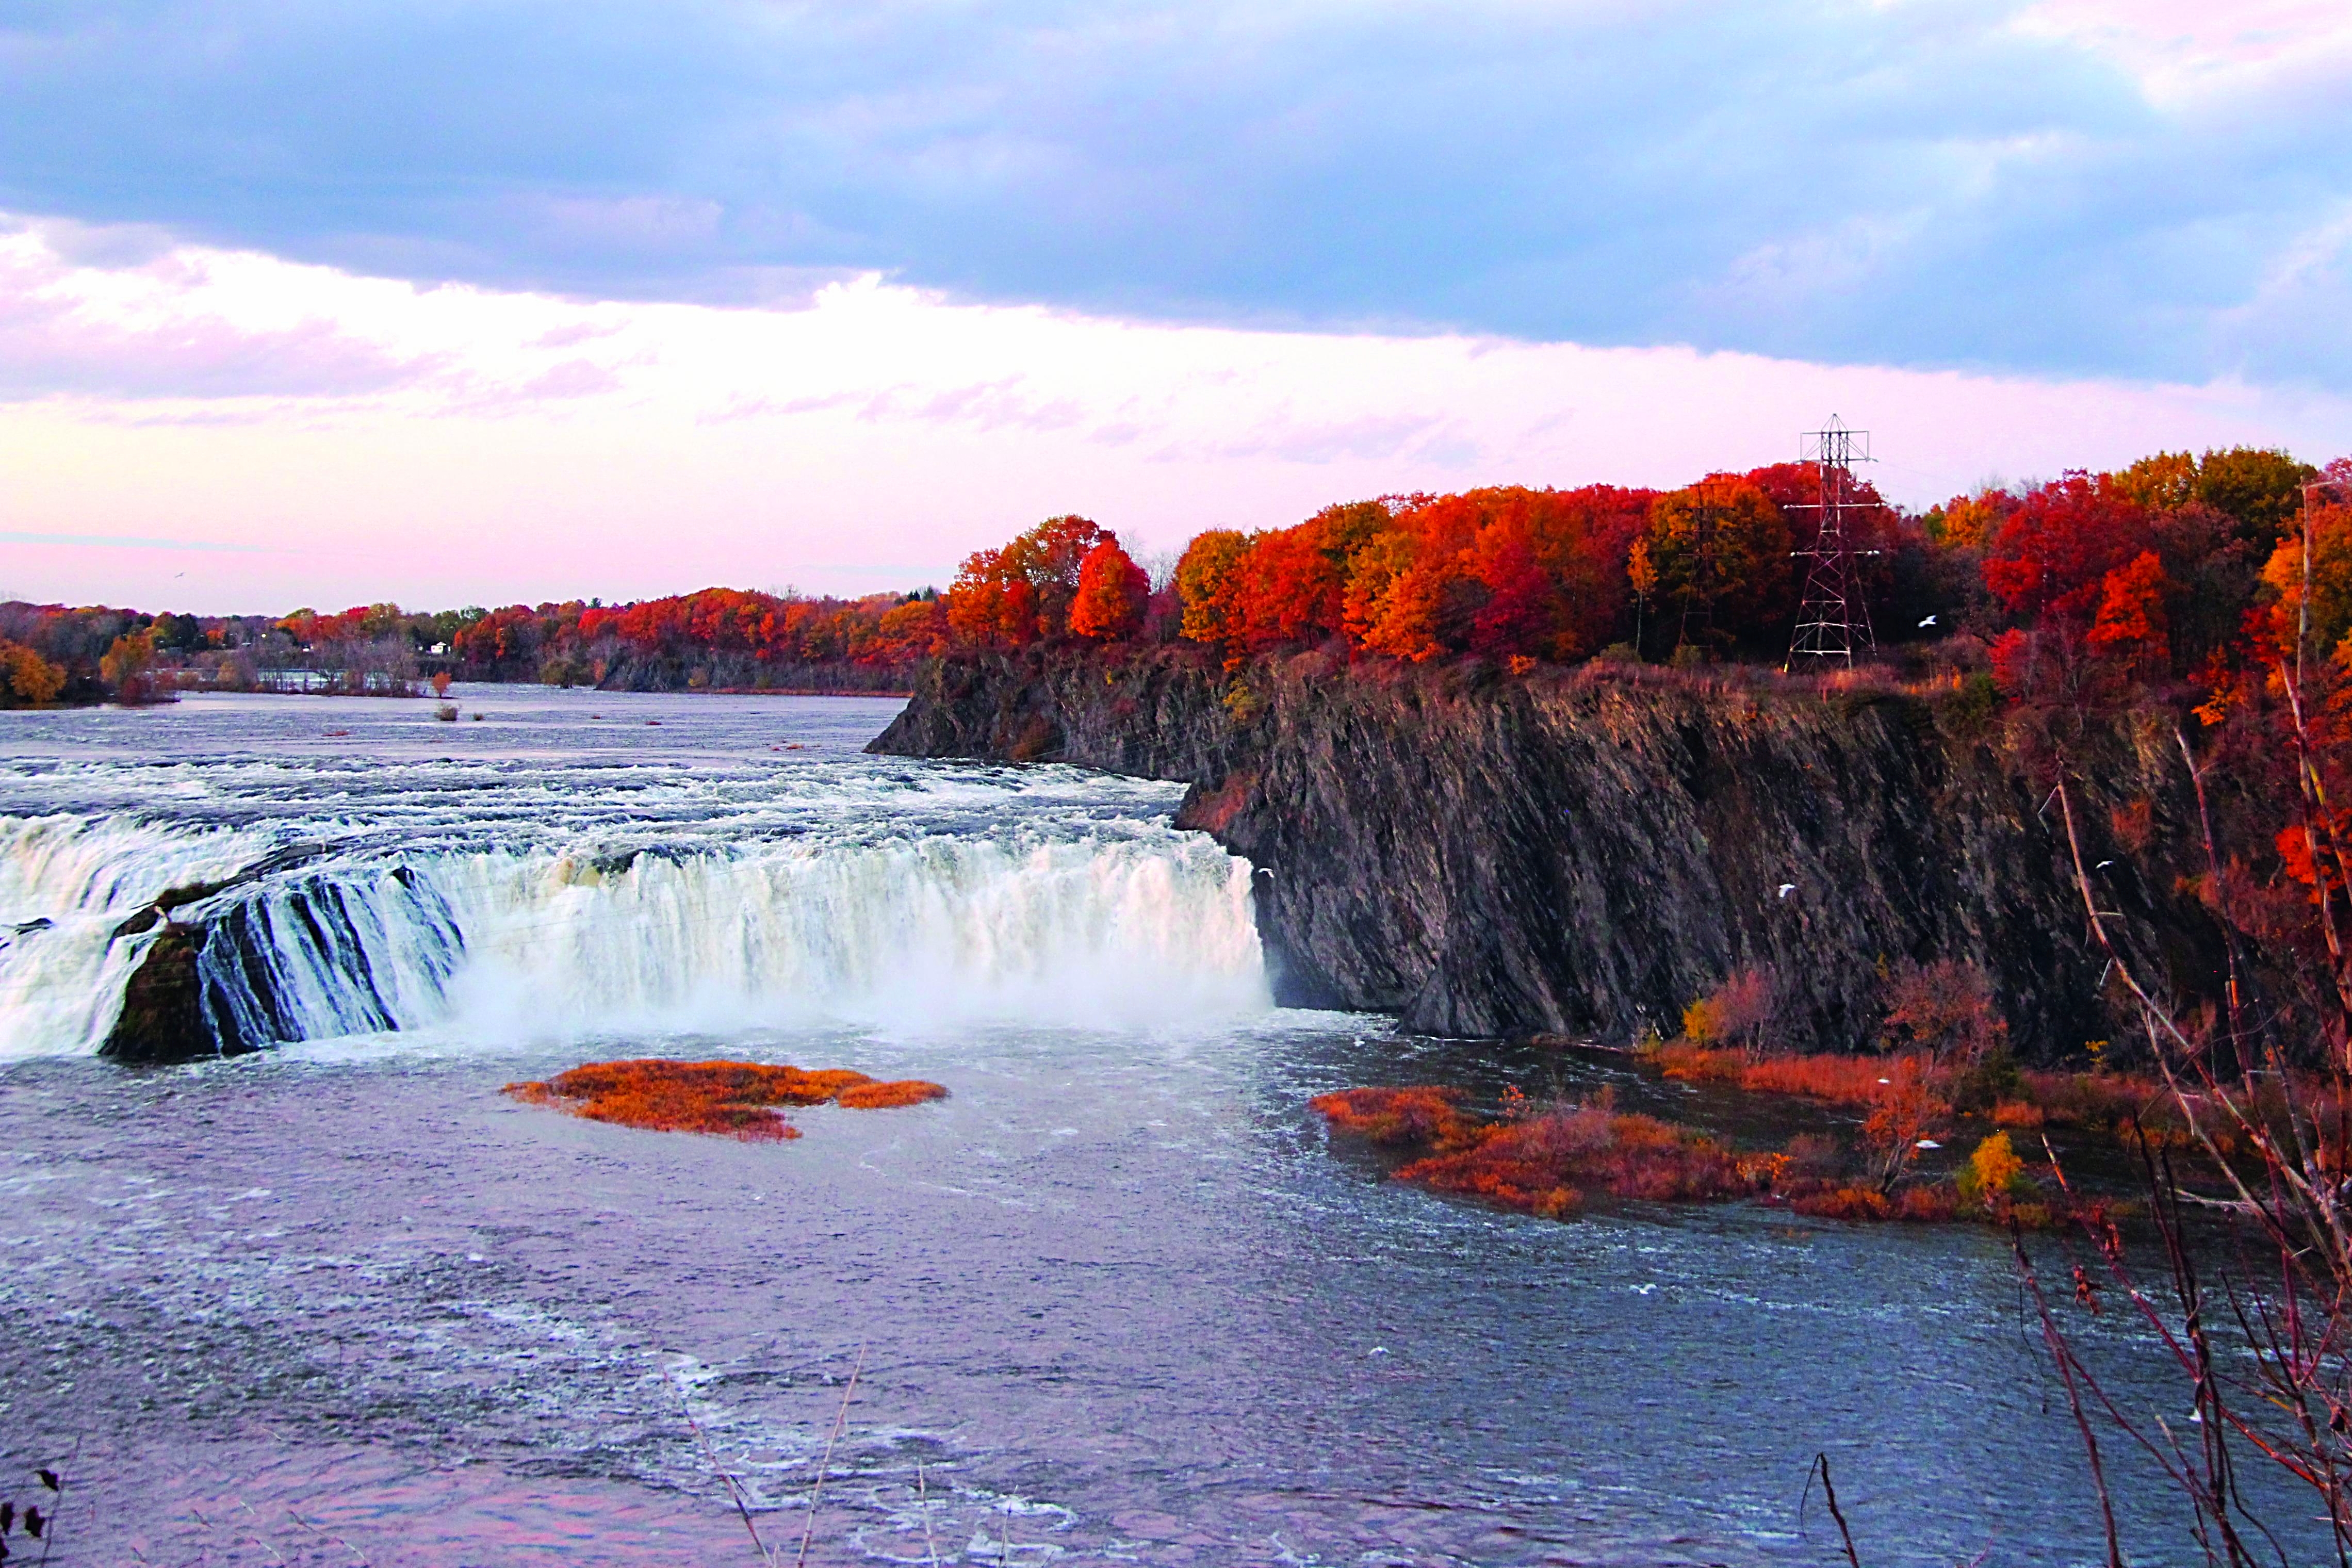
{"type": "Point", "coordinates": [1205, 583]}
{"type": "Point", "coordinates": [29, 678]}
{"type": "Point", "coordinates": [1717, 553]}
{"type": "Point", "coordinates": [1992, 1171]}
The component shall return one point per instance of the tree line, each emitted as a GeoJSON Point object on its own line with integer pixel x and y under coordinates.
{"type": "Point", "coordinates": [2152, 572]}
{"type": "Point", "coordinates": [2063, 591]}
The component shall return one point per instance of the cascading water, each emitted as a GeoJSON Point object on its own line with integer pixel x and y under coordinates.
{"type": "Point", "coordinates": [572, 886]}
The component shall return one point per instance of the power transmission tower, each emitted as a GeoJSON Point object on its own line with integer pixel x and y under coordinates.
{"type": "Point", "coordinates": [1833, 616]}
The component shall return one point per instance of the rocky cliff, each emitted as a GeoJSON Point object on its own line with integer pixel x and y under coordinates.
{"type": "Point", "coordinates": [1588, 851]}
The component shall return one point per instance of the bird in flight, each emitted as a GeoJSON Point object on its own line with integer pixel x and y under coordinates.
{"type": "Point", "coordinates": [1787, 887]}
{"type": "Point", "coordinates": [1929, 622]}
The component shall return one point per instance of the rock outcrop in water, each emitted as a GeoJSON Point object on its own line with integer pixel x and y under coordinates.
{"type": "Point", "coordinates": [212, 980]}
{"type": "Point", "coordinates": [162, 1017]}
{"type": "Point", "coordinates": [1586, 852]}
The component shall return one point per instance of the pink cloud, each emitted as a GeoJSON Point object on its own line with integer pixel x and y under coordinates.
{"type": "Point", "coordinates": [573, 378]}
{"type": "Point", "coordinates": [1371, 436]}
{"type": "Point", "coordinates": [577, 333]}
{"type": "Point", "coordinates": [52, 343]}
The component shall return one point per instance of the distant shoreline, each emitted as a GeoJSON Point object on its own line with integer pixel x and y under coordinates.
{"type": "Point", "coordinates": [427, 696]}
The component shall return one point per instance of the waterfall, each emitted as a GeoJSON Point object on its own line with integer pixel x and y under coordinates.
{"type": "Point", "coordinates": [68, 883]}
{"type": "Point", "coordinates": [1109, 921]}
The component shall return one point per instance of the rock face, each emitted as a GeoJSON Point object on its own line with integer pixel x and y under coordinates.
{"type": "Point", "coordinates": [1587, 852]}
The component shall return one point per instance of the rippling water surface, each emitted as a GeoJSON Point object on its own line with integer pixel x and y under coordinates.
{"type": "Point", "coordinates": [1115, 1300]}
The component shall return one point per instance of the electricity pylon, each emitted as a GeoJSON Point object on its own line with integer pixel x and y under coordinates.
{"type": "Point", "coordinates": [1833, 616]}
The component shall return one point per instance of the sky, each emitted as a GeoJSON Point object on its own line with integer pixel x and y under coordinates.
{"type": "Point", "coordinates": [449, 303]}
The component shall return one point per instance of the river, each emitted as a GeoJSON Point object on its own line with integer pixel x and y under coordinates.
{"type": "Point", "coordinates": [1117, 1299]}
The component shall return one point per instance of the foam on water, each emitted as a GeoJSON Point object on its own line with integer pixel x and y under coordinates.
{"type": "Point", "coordinates": [564, 892]}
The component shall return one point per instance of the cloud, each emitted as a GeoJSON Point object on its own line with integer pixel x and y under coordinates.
{"type": "Point", "coordinates": [573, 378]}
{"type": "Point", "coordinates": [187, 335]}
{"type": "Point", "coordinates": [44, 351]}
{"type": "Point", "coordinates": [56, 339]}
{"type": "Point", "coordinates": [2112, 187]}
{"type": "Point", "coordinates": [362, 438]}
{"type": "Point", "coordinates": [1394, 438]}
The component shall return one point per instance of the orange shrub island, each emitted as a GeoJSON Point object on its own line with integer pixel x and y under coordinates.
{"type": "Point", "coordinates": [1546, 1162]}
{"type": "Point", "coordinates": [736, 1099]}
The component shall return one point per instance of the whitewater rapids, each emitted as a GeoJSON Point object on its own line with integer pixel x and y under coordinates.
{"type": "Point", "coordinates": [559, 873]}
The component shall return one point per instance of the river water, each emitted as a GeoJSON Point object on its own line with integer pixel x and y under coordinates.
{"type": "Point", "coordinates": [1117, 1299]}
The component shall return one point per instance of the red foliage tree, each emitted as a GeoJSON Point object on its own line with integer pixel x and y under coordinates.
{"type": "Point", "coordinates": [1016, 594]}
{"type": "Point", "coordinates": [2055, 551]}
{"type": "Point", "coordinates": [2130, 621]}
{"type": "Point", "coordinates": [1111, 594]}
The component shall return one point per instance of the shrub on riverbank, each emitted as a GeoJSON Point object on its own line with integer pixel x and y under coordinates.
{"type": "Point", "coordinates": [734, 1099]}
{"type": "Point", "coordinates": [2092, 1101]}
{"type": "Point", "coordinates": [1398, 1117]}
{"type": "Point", "coordinates": [1542, 1163]}
{"type": "Point", "coordinates": [1545, 1163]}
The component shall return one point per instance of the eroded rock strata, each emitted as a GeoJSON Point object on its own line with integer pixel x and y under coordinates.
{"type": "Point", "coordinates": [1586, 852]}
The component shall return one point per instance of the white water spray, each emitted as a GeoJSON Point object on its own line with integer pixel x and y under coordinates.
{"type": "Point", "coordinates": [1126, 922]}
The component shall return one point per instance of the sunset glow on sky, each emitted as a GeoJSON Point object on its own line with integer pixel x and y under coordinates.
{"type": "Point", "coordinates": [830, 302]}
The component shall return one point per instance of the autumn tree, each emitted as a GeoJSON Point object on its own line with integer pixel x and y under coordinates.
{"type": "Point", "coordinates": [28, 678]}
{"type": "Point", "coordinates": [1944, 1008]}
{"type": "Point", "coordinates": [1013, 596]}
{"type": "Point", "coordinates": [1111, 594]}
{"type": "Point", "coordinates": [1207, 578]}
{"type": "Point", "coordinates": [1553, 566]}
{"type": "Point", "coordinates": [2157, 483]}
{"type": "Point", "coordinates": [2213, 577]}
{"type": "Point", "coordinates": [1970, 521]}
{"type": "Point", "coordinates": [2055, 549]}
{"type": "Point", "coordinates": [2329, 603]}
{"type": "Point", "coordinates": [991, 604]}
{"type": "Point", "coordinates": [1047, 558]}
{"type": "Point", "coordinates": [1906, 1110]}
{"type": "Point", "coordinates": [1396, 596]}
{"type": "Point", "coordinates": [914, 629]}
{"type": "Point", "coordinates": [2129, 623]}
{"type": "Point", "coordinates": [124, 666]}
{"type": "Point", "coordinates": [1716, 555]}
{"type": "Point", "coordinates": [2260, 487]}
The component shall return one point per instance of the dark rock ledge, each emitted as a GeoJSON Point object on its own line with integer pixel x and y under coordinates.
{"type": "Point", "coordinates": [1585, 852]}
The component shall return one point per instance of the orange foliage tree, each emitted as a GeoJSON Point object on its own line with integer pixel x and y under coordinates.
{"type": "Point", "coordinates": [1507, 572]}
{"type": "Point", "coordinates": [2329, 600]}
{"type": "Point", "coordinates": [1111, 595]}
{"type": "Point", "coordinates": [124, 666]}
{"type": "Point", "coordinates": [26, 677]}
{"type": "Point", "coordinates": [1013, 596]}
{"type": "Point", "coordinates": [1206, 580]}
